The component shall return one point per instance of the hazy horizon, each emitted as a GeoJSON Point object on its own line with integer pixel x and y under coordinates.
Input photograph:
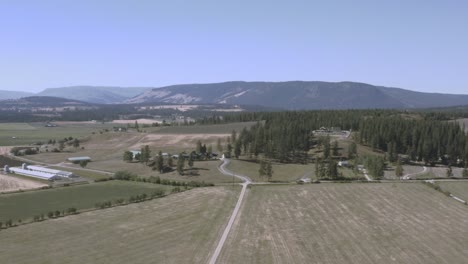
{"type": "Point", "coordinates": [418, 46]}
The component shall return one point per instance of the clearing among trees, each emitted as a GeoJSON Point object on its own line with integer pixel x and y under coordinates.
{"type": "Point", "coordinates": [348, 223]}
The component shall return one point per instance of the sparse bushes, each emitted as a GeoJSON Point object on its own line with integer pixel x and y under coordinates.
{"type": "Point", "coordinates": [128, 176]}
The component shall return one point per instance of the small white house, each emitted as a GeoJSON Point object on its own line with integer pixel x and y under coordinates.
{"type": "Point", "coordinates": [343, 163]}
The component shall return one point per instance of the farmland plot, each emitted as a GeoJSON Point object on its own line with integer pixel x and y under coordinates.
{"type": "Point", "coordinates": [459, 189]}
{"type": "Point", "coordinates": [9, 184]}
{"type": "Point", "coordinates": [180, 228]}
{"type": "Point", "coordinates": [352, 223]}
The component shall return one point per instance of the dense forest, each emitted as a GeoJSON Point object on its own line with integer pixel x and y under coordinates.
{"type": "Point", "coordinates": [288, 137]}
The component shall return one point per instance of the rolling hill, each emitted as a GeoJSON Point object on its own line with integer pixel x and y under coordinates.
{"type": "Point", "coordinates": [299, 95]}
{"type": "Point", "coordinates": [94, 94]}
{"type": "Point", "coordinates": [4, 95]}
{"type": "Point", "coordinates": [43, 101]}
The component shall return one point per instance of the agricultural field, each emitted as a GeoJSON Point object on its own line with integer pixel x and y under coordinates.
{"type": "Point", "coordinates": [12, 134]}
{"type": "Point", "coordinates": [457, 188]}
{"type": "Point", "coordinates": [180, 228]}
{"type": "Point", "coordinates": [26, 205]}
{"type": "Point", "coordinates": [106, 151]}
{"type": "Point", "coordinates": [10, 184]}
{"type": "Point", "coordinates": [348, 223]}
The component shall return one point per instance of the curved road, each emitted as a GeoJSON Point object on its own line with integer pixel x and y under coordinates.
{"type": "Point", "coordinates": [408, 176]}
{"type": "Point", "coordinates": [247, 181]}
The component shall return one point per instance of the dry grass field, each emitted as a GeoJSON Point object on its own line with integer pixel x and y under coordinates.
{"type": "Point", "coordinates": [180, 228]}
{"type": "Point", "coordinates": [348, 223]}
{"type": "Point", "coordinates": [459, 189]}
{"type": "Point", "coordinates": [9, 184]}
{"type": "Point", "coordinates": [281, 172]}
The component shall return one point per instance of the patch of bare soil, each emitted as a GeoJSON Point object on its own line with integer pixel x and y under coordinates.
{"type": "Point", "coordinates": [5, 150]}
{"type": "Point", "coordinates": [183, 140]}
{"type": "Point", "coordinates": [10, 183]}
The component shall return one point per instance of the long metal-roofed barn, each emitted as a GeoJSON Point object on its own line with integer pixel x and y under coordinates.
{"type": "Point", "coordinates": [39, 172]}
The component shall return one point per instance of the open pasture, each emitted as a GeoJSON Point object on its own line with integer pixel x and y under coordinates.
{"type": "Point", "coordinates": [12, 134]}
{"type": "Point", "coordinates": [282, 172]}
{"type": "Point", "coordinates": [348, 223]}
{"type": "Point", "coordinates": [180, 228]}
{"type": "Point", "coordinates": [26, 205]}
{"type": "Point", "coordinates": [106, 151]}
{"type": "Point", "coordinates": [457, 188]}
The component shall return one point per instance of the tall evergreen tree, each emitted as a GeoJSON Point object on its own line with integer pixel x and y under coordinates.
{"type": "Point", "coordinates": [399, 169]}
{"type": "Point", "coordinates": [180, 164]}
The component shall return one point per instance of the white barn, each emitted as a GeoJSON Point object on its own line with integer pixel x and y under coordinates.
{"type": "Point", "coordinates": [35, 174]}
{"type": "Point", "coordinates": [40, 172]}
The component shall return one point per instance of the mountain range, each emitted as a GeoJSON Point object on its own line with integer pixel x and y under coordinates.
{"type": "Point", "coordinates": [94, 94]}
{"type": "Point", "coordinates": [299, 95]}
{"type": "Point", "coordinates": [293, 95]}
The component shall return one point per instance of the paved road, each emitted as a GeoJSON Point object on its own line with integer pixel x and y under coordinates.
{"type": "Point", "coordinates": [246, 182]}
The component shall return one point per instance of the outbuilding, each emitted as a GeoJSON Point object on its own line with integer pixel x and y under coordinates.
{"type": "Point", "coordinates": [79, 159]}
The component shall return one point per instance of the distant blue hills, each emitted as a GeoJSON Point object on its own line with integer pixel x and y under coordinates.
{"type": "Point", "coordinates": [293, 95]}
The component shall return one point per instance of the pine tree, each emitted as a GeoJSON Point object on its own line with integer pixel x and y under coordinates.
{"type": "Point", "coordinates": [269, 171]}
{"type": "Point", "coordinates": [335, 148]}
{"type": "Point", "coordinates": [352, 150]}
{"type": "Point", "coordinates": [159, 165]}
{"type": "Point", "coordinates": [128, 156]}
{"type": "Point", "coordinates": [449, 172]}
{"type": "Point", "coordinates": [326, 148]}
{"type": "Point", "coordinates": [198, 148]}
{"type": "Point", "coordinates": [219, 146]}
{"type": "Point", "coordinates": [180, 164]}
{"type": "Point", "coordinates": [332, 171]}
{"type": "Point", "coordinates": [237, 149]}
{"type": "Point", "coordinates": [262, 170]}
{"type": "Point", "coordinates": [465, 172]}
{"type": "Point", "coordinates": [399, 169]}
{"type": "Point", "coordinates": [190, 161]}
{"type": "Point", "coordinates": [233, 136]}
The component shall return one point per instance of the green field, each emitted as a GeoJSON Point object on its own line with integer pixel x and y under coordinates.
{"type": "Point", "coordinates": [26, 205]}
{"type": "Point", "coordinates": [28, 133]}
{"type": "Point", "coordinates": [459, 189]}
{"type": "Point", "coordinates": [180, 228]}
{"type": "Point", "coordinates": [348, 223]}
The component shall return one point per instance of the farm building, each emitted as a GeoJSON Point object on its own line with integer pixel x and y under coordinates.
{"type": "Point", "coordinates": [39, 172]}
{"type": "Point", "coordinates": [34, 174]}
{"type": "Point", "coordinates": [65, 174]}
{"type": "Point", "coordinates": [343, 163]}
{"type": "Point", "coordinates": [78, 159]}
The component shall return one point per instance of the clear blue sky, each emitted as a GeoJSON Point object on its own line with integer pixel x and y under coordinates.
{"type": "Point", "coordinates": [418, 45]}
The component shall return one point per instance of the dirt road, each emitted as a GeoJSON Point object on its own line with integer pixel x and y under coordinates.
{"type": "Point", "coordinates": [247, 181]}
